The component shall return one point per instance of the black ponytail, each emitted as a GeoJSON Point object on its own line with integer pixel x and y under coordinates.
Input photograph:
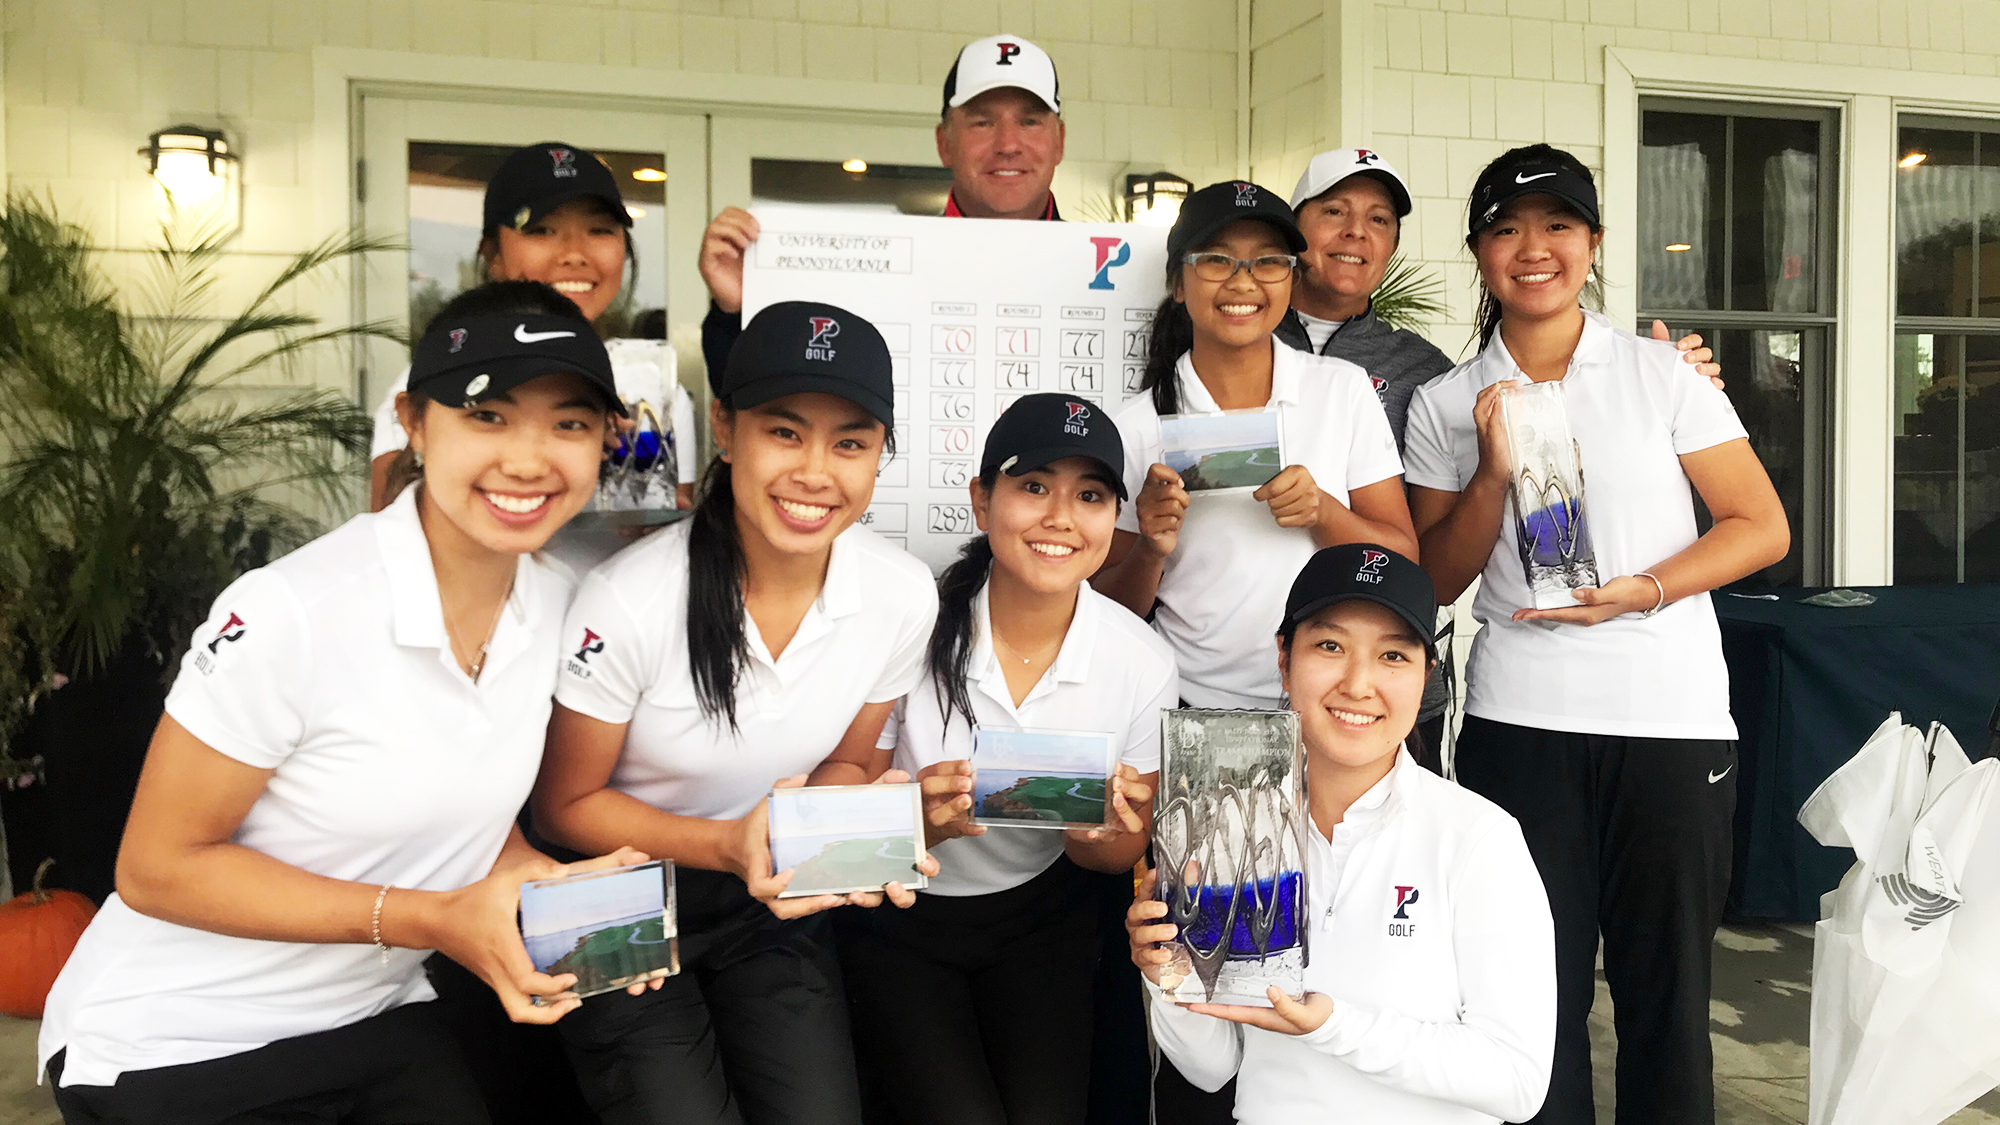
{"type": "Point", "coordinates": [718, 647]}
{"type": "Point", "coordinates": [951, 637]}
{"type": "Point", "coordinates": [1171, 337]}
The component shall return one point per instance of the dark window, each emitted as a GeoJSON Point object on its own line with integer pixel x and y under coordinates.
{"type": "Point", "coordinates": [1736, 212]}
{"type": "Point", "coordinates": [1947, 485]}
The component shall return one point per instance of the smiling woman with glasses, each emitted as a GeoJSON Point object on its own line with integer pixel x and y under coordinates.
{"type": "Point", "coordinates": [1218, 267]}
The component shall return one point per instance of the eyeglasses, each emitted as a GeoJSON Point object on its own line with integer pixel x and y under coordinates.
{"type": "Point", "coordinates": [1268, 268]}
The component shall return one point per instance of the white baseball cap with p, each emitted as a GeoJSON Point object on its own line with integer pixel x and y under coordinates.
{"type": "Point", "coordinates": [1329, 168]}
{"type": "Point", "coordinates": [1001, 60]}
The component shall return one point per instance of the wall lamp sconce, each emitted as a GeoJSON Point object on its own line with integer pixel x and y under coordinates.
{"type": "Point", "coordinates": [1156, 200]}
{"type": "Point", "coordinates": [198, 173]}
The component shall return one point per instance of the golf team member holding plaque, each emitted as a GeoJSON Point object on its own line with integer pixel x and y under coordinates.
{"type": "Point", "coordinates": [331, 793]}
{"type": "Point", "coordinates": [1430, 989]}
{"type": "Point", "coordinates": [1000, 132]}
{"type": "Point", "coordinates": [552, 213]}
{"type": "Point", "coordinates": [763, 641]}
{"type": "Point", "coordinates": [1021, 642]}
{"type": "Point", "coordinates": [1216, 567]}
{"type": "Point", "coordinates": [1605, 727]}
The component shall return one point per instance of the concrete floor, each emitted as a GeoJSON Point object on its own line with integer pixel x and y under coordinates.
{"type": "Point", "coordinates": [1759, 1019]}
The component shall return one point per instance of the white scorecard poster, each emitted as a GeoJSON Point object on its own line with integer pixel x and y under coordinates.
{"type": "Point", "coordinates": [976, 312]}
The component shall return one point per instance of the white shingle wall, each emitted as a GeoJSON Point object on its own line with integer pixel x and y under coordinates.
{"type": "Point", "coordinates": [1151, 83]}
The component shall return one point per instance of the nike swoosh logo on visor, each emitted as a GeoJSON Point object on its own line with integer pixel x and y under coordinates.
{"type": "Point", "coordinates": [1520, 179]}
{"type": "Point", "coordinates": [522, 334]}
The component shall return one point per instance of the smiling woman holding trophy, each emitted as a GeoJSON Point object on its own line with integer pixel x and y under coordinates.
{"type": "Point", "coordinates": [1597, 707]}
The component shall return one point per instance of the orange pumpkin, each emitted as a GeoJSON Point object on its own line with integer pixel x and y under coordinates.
{"type": "Point", "coordinates": [37, 932]}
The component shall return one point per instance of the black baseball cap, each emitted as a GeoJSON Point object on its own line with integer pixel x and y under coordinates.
{"type": "Point", "coordinates": [797, 347]}
{"type": "Point", "coordinates": [461, 361]}
{"type": "Point", "coordinates": [1530, 172]}
{"type": "Point", "coordinates": [1039, 430]}
{"type": "Point", "coordinates": [1208, 211]}
{"type": "Point", "coordinates": [1365, 572]}
{"type": "Point", "coordinates": [536, 179]}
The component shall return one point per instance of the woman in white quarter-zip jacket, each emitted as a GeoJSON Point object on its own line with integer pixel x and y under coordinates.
{"type": "Point", "coordinates": [1430, 985]}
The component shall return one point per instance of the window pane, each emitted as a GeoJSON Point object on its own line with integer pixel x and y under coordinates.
{"type": "Point", "coordinates": [1768, 375]}
{"type": "Point", "coordinates": [1935, 205]}
{"type": "Point", "coordinates": [1981, 487]}
{"type": "Point", "coordinates": [1681, 168]}
{"type": "Point", "coordinates": [1927, 486]}
{"type": "Point", "coordinates": [1774, 236]}
{"type": "Point", "coordinates": [907, 189]}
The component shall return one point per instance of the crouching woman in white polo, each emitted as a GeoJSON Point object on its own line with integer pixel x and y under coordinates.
{"type": "Point", "coordinates": [764, 641]}
{"type": "Point", "coordinates": [1430, 991]}
{"type": "Point", "coordinates": [332, 791]}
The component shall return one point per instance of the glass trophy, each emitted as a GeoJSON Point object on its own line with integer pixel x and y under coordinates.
{"type": "Point", "coordinates": [1549, 524]}
{"type": "Point", "coordinates": [636, 482]}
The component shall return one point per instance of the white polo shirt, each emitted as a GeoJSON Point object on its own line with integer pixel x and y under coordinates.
{"type": "Point", "coordinates": [330, 667]}
{"type": "Point", "coordinates": [626, 661]}
{"type": "Point", "coordinates": [1431, 933]}
{"type": "Point", "coordinates": [1223, 590]}
{"type": "Point", "coordinates": [1112, 675]}
{"type": "Point", "coordinates": [1634, 410]}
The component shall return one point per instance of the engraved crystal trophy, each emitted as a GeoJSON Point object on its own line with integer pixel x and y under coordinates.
{"type": "Point", "coordinates": [1547, 489]}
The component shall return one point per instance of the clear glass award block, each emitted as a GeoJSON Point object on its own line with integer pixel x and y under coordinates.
{"type": "Point", "coordinates": [1549, 524]}
{"type": "Point", "coordinates": [1229, 835]}
{"type": "Point", "coordinates": [637, 480]}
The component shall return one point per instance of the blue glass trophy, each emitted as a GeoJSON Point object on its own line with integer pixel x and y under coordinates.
{"type": "Point", "coordinates": [1547, 490]}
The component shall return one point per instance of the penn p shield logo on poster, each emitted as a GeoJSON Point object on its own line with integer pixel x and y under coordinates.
{"type": "Point", "coordinates": [1112, 251]}
{"type": "Point", "coordinates": [820, 346]}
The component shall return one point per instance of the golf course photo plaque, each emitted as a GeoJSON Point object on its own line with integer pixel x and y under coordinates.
{"type": "Point", "coordinates": [840, 838]}
{"type": "Point", "coordinates": [611, 928]}
{"type": "Point", "coordinates": [1041, 778]}
{"type": "Point", "coordinates": [1235, 451]}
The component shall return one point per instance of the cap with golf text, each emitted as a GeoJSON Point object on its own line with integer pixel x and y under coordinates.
{"type": "Point", "coordinates": [1208, 211]}
{"type": "Point", "coordinates": [1366, 572]}
{"type": "Point", "coordinates": [536, 179]}
{"type": "Point", "coordinates": [463, 361]}
{"type": "Point", "coordinates": [1001, 60]}
{"type": "Point", "coordinates": [1038, 430]}
{"type": "Point", "coordinates": [1329, 168]}
{"type": "Point", "coordinates": [802, 347]}
{"type": "Point", "coordinates": [1506, 180]}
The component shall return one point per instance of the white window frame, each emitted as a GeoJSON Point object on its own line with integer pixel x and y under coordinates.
{"type": "Point", "coordinates": [1863, 391]}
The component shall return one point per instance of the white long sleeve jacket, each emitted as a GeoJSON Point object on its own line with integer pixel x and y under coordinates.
{"type": "Point", "coordinates": [1431, 934]}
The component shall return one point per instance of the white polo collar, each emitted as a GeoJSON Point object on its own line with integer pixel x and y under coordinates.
{"type": "Point", "coordinates": [1593, 349]}
{"type": "Point", "coordinates": [1072, 664]}
{"type": "Point", "coordinates": [1286, 362]}
{"type": "Point", "coordinates": [418, 609]}
{"type": "Point", "coordinates": [1375, 806]}
{"type": "Point", "coordinates": [840, 594]}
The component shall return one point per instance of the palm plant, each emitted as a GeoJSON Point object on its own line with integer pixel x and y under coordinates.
{"type": "Point", "coordinates": [1410, 296]}
{"type": "Point", "coordinates": [138, 473]}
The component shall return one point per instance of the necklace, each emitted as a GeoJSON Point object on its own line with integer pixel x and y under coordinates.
{"type": "Point", "coordinates": [1047, 650]}
{"type": "Point", "coordinates": [479, 661]}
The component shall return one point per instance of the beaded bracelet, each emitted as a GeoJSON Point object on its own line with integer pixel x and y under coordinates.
{"type": "Point", "coordinates": [375, 924]}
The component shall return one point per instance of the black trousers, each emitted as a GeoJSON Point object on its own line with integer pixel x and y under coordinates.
{"type": "Point", "coordinates": [1632, 838]}
{"type": "Point", "coordinates": [977, 1010]}
{"type": "Point", "coordinates": [399, 1068]}
{"type": "Point", "coordinates": [752, 1032]}
{"type": "Point", "coordinates": [1121, 1065]}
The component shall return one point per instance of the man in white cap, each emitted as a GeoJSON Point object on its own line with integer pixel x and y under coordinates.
{"type": "Point", "coordinates": [1000, 132]}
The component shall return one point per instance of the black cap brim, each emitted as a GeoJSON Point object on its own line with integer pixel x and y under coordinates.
{"type": "Point", "coordinates": [542, 207]}
{"type": "Point", "coordinates": [1201, 235]}
{"type": "Point", "coordinates": [503, 375]}
{"type": "Point", "coordinates": [1583, 208]}
{"type": "Point", "coordinates": [1028, 461]}
{"type": "Point", "coordinates": [1425, 629]}
{"type": "Point", "coordinates": [770, 387]}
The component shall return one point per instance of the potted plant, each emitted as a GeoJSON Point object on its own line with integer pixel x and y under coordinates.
{"type": "Point", "coordinates": [146, 460]}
